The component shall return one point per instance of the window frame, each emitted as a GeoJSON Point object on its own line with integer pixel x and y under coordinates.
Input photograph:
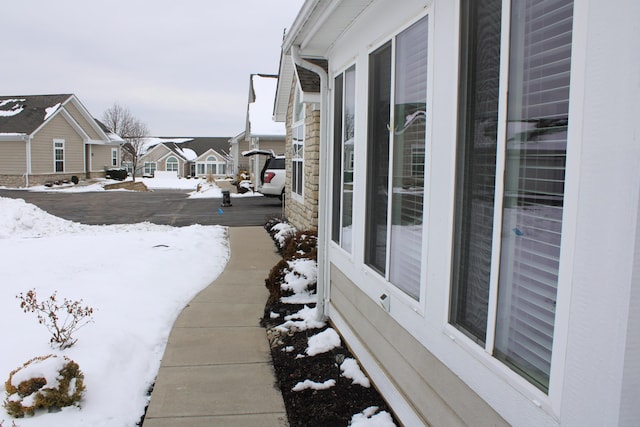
{"type": "Point", "coordinates": [341, 165]}
{"type": "Point", "coordinates": [114, 157]}
{"type": "Point", "coordinates": [418, 302]}
{"type": "Point", "coordinates": [548, 398]}
{"type": "Point", "coordinates": [149, 168]}
{"type": "Point", "coordinates": [59, 147]}
{"type": "Point", "coordinates": [173, 160]}
{"type": "Point", "coordinates": [298, 129]}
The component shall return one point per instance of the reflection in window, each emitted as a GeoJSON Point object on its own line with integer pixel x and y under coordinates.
{"type": "Point", "coordinates": [344, 131]}
{"type": "Point", "coordinates": [394, 248]}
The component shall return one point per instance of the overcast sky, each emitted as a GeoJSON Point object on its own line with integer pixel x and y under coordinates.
{"type": "Point", "coordinates": [180, 66]}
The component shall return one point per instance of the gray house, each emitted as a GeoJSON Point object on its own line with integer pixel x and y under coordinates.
{"type": "Point", "coordinates": [47, 138]}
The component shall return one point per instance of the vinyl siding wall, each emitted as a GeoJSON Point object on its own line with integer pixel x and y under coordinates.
{"type": "Point", "coordinates": [101, 157]}
{"type": "Point", "coordinates": [13, 159]}
{"type": "Point", "coordinates": [89, 128]}
{"type": "Point", "coordinates": [42, 148]}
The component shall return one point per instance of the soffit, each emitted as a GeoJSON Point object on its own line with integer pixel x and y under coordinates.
{"type": "Point", "coordinates": [323, 25]}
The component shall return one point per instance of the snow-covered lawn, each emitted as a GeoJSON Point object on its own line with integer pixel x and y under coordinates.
{"type": "Point", "coordinates": [137, 278]}
{"type": "Point", "coordinates": [197, 187]}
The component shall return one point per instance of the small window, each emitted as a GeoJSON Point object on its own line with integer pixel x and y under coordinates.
{"type": "Point", "coordinates": [114, 157]}
{"type": "Point", "coordinates": [343, 160]}
{"type": "Point", "coordinates": [149, 168]}
{"type": "Point", "coordinates": [297, 146]}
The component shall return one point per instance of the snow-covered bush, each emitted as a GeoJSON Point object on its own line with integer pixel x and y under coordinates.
{"type": "Point", "coordinates": [280, 231]}
{"type": "Point", "coordinates": [302, 244]}
{"type": "Point", "coordinates": [47, 382]}
{"type": "Point", "coordinates": [61, 319]}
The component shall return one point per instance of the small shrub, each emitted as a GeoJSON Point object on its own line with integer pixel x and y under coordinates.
{"type": "Point", "coordinates": [47, 382]}
{"type": "Point", "coordinates": [303, 244]}
{"type": "Point", "coordinates": [274, 280]}
{"type": "Point", "coordinates": [61, 319]}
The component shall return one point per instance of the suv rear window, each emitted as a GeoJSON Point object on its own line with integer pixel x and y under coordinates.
{"type": "Point", "coordinates": [275, 163]}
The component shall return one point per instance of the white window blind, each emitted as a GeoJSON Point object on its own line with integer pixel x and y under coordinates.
{"type": "Point", "coordinates": [537, 115]}
{"type": "Point", "coordinates": [407, 203]}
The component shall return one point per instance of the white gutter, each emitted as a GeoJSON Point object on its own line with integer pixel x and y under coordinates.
{"type": "Point", "coordinates": [323, 193]}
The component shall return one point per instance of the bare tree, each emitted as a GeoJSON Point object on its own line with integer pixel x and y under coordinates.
{"type": "Point", "coordinates": [121, 122]}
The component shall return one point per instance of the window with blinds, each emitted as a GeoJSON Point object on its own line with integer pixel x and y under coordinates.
{"type": "Point", "coordinates": [397, 150]}
{"type": "Point", "coordinates": [537, 118]}
{"type": "Point", "coordinates": [540, 36]}
{"type": "Point", "coordinates": [343, 153]}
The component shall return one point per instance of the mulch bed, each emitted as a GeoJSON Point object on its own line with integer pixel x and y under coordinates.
{"type": "Point", "coordinates": [332, 407]}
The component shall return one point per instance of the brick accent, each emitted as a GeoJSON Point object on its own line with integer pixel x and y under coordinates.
{"type": "Point", "coordinates": [304, 214]}
{"type": "Point", "coordinates": [19, 181]}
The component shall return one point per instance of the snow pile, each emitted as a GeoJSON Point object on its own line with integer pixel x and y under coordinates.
{"type": "Point", "coordinates": [308, 384]}
{"type": "Point", "coordinates": [350, 369]}
{"type": "Point", "coordinates": [137, 277]}
{"type": "Point", "coordinates": [322, 342]}
{"type": "Point", "coordinates": [24, 220]}
{"type": "Point", "coordinates": [369, 418]}
{"type": "Point", "coordinates": [304, 319]}
{"type": "Point", "coordinates": [300, 278]}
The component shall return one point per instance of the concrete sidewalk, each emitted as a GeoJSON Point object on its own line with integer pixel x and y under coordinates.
{"type": "Point", "coordinates": [217, 369]}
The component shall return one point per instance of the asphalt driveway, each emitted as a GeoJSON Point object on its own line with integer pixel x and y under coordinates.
{"type": "Point", "coordinates": [166, 207]}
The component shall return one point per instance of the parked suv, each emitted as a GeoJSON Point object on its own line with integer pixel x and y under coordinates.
{"type": "Point", "coordinates": [272, 176]}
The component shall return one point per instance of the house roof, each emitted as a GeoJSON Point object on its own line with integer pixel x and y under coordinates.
{"type": "Point", "coordinates": [25, 114]}
{"type": "Point", "coordinates": [310, 81]}
{"type": "Point", "coordinates": [190, 148]}
{"type": "Point", "coordinates": [260, 107]}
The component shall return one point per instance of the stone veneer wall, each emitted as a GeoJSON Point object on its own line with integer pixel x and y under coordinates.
{"type": "Point", "coordinates": [304, 214]}
{"type": "Point", "coordinates": [19, 181]}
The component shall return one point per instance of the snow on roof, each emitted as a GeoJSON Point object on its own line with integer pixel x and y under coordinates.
{"type": "Point", "coordinates": [51, 110]}
{"type": "Point", "coordinates": [261, 109]}
{"type": "Point", "coordinates": [151, 142]}
{"type": "Point", "coordinates": [189, 154]}
{"type": "Point", "coordinates": [16, 109]}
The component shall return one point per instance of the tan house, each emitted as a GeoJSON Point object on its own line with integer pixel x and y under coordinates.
{"type": "Point", "coordinates": [47, 138]}
{"type": "Point", "coordinates": [479, 202]}
{"type": "Point", "coordinates": [187, 157]}
{"type": "Point", "coordinates": [261, 132]}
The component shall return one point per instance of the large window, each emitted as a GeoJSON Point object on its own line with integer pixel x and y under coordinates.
{"type": "Point", "coordinates": [396, 148]}
{"type": "Point", "coordinates": [212, 166]}
{"type": "Point", "coordinates": [343, 157]}
{"type": "Point", "coordinates": [172, 164]}
{"type": "Point", "coordinates": [528, 212]}
{"type": "Point", "coordinates": [58, 155]}
{"type": "Point", "coordinates": [297, 146]}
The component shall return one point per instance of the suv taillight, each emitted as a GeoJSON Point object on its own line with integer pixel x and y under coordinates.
{"type": "Point", "coordinates": [268, 176]}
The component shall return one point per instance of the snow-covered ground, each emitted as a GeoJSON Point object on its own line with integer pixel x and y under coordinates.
{"type": "Point", "coordinates": [197, 187]}
{"type": "Point", "coordinates": [137, 278]}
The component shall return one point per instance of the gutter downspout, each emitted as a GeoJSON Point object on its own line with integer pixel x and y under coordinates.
{"type": "Point", "coordinates": [28, 145]}
{"type": "Point", "coordinates": [323, 265]}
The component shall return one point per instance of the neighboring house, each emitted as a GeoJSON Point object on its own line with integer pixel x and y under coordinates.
{"type": "Point", "coordinates": [46, 138]}
{"type": "Point", "coordinates": [479, 202]}
{"type": "Point", "coordinates": [261, 131]}
{"type": "Point", "coordinates": [187, 157]}
{"type": "Point", "coordinates": [298, 106]}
